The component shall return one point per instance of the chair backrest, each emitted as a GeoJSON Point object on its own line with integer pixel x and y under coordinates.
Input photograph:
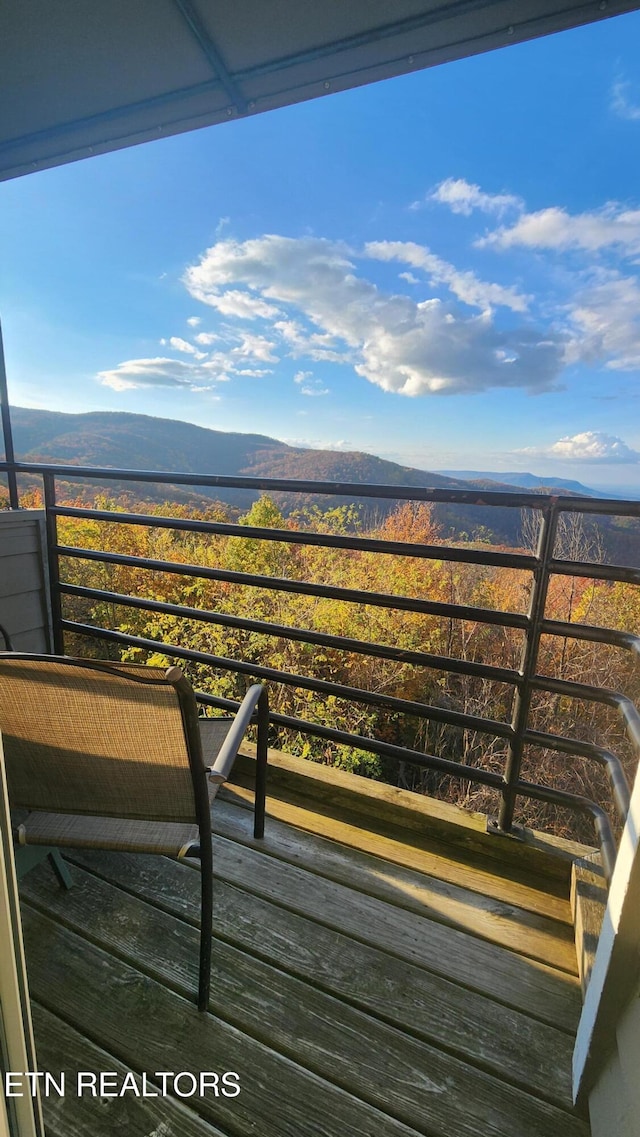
{"type": "Point", "coordinates": [111, 739]}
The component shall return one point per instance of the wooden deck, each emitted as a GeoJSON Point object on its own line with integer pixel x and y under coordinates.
{"type": "Point", "coordinates": [368, 980]}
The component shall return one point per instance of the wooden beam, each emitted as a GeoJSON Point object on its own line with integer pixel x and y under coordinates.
{"type": "Point", "coordinates": [588, 904]}
{"type": "Point", "coordinates": [332, 788]}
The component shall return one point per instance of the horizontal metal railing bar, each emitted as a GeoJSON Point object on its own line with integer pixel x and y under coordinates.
{"type": "Point", "coordinates": [508, 499]}
{"type": "Point", "coordinates": [374, 745]}
{"type": "Point", "coordinates": [592, 633]}
{"type": "Point", "coordinates": [445, 766]}
{"type": "Point", "coordinates": [302, 537]}
{"type": "Point", "coordinates": [615, 770]}
{"type": "Point", "coordinates": [606, 839]}
{"type": "Point", "coordinates": [610, 507]}
{"type": "Point", "coordinates": [322, 686]}
{"type": "Point", "coordinates": [304, 588]}
{"type": "Point", "coordinates": [302, 635]}
{"type": "Point", "coordinates": [592, 571]}
{"type": "Point", "coordinates": [219, 701]}
{"type": "Point", "coordinates": [606, 695]}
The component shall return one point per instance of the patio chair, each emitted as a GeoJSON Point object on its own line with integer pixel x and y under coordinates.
{"type": "Point", "coordinates": [113, 756]}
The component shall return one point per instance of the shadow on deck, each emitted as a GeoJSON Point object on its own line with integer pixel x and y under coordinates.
{"type": "Point", "coordinates": [368, 979]}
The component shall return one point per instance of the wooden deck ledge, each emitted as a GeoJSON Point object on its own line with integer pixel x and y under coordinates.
{"type": "Point", "coordinates": [335, 792]}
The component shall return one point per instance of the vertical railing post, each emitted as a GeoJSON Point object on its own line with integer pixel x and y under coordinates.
{"type": "Point", "coordinates": [49, 485]}
{"type": "Point", "coordinates": [261, 763]}
{"type": "Point", "coordinates": [529, 663]}
{"type": "Point", "coordinates": [9, 455]}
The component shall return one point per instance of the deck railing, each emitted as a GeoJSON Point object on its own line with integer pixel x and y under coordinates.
{"type": "Point", "coordinates": [525, 680]}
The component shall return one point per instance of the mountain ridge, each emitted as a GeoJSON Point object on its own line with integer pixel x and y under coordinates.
{"type": "Point", "coordinates": [123, 440]}
{"type": "Point", "coordinates": [131, 441]}
{"type": "Point", "coordinates": [523, 480]}
{"type": "Point", "coordinates": [127, 440]}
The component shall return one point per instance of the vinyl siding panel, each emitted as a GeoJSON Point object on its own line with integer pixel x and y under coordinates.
{"type": "Point", "coordinates": [24, 599]}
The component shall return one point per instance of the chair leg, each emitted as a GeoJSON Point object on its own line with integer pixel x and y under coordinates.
{"type": "Point", "coordinates": [261, 765]}
{"type": "Point", "coordinates": [28, 856]}
{"type": "Point", "coordinates": [60, 869]}
{"type": "Point", "coordinates": [206, 921]}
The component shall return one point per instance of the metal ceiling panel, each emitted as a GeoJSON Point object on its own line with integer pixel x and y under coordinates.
{"type": "Point", "coordinates": [79, 77]}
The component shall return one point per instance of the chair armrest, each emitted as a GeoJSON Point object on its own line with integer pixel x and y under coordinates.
{"type": "Point", "coordinates": [227, 754]}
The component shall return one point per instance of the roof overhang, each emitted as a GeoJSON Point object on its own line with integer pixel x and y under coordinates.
{"type": "Point", "coordinates": [82, 77]}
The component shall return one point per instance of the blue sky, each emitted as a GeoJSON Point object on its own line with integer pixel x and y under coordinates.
{"type": "Point", "coordinates": [441, 269]}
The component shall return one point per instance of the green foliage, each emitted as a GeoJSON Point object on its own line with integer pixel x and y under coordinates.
{"type": "Point", "coordinates": [342, 519]}
{"type": "Point", "coordinates": [361, 762]}
{"type": "Point", "coordinates": [254, 555]}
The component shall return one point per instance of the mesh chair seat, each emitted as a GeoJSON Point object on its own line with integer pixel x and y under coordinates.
{"type": "Point", "coordinates": [118, 834]}
{"type": "Point", "coordinates": [113, 756]}
{"type": "Point", "coordinates": [115, 834]}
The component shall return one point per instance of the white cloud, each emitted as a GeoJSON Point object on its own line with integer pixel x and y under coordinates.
{"type": "Point", "coordinates": [284, 269]}
{"type": "Point", "coordinates": [465, 285]}
{"type": "Point", "coordinates": [312, 345]}
{"type": "Point", "coordinates": [157, 372]}
{"type": "Point", "coordinates": [606, 320]}
{"type": "Point", "coordinates": [401, 346]}
{"type": "Point", "coordinates": [207, 338]}
{"type": "Point", "coordinates": [462, 197]}
{"type": "Point", "coordinates": [181, 345]}
{"type": "Point", "coordinates": [194, 321]}
{"type": "Point", "coordinates": [554, 228]}
{"type": "Point", "coordinates": [409, 277]}
{"type": "Point", "coordinates": [216, 367]}
{"type": "Point", "coordinates": [315, 391]}
{"type": "Point", "coordinates": [622, 101]}
{"type": "Point", "coordinates": [320, 443]}
{"type": "Point", "coordinates": [590, 446]}
{"type": "Point", "coordinates": [255, 347]}
{"type": "Point", "coordinates": [309, 385]}
{"type": "Point", "coordinates": [241, 305]}
{"type": "Point", "coordinates": [603, 315]}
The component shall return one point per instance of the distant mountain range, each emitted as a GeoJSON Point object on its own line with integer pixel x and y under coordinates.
{"type": "Point", "coordinates": [524, 481]}
{"type": "Point", "coordinates": [133, 441]}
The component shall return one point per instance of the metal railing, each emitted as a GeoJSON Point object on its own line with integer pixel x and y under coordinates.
{"type": "Point", "coordinates": [525, 680]}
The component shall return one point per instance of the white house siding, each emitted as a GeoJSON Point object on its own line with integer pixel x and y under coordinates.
{"type": "Point", "coordinates": [614, 1102]}
{"type": "Point", "coordinates": [606, 1060]}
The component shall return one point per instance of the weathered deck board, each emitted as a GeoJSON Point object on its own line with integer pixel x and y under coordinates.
{"type": "Point", "coordinates": [355, 1067]}
{"type": "Point", "coordinates": [147, 1027]}
{"type": "Point", "coordinates": [285, 1097]}
{"type": "Point", "coordinates": [446, 863]}
{"type": "Point", "coordinates": [60, 1047]}
{"type": "Point", "coordinates": [435, 1009]}
{"type": "Point", "coordinates": [502, 975]}
{"type": "Point", "coordinates": [525, 985]}
{"type": "Point", "coordinates": [259, 997]}
{"type": "Point", "coordinates": [530, 934]}
{"type": "Point", "coordinates": [367, 979]}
